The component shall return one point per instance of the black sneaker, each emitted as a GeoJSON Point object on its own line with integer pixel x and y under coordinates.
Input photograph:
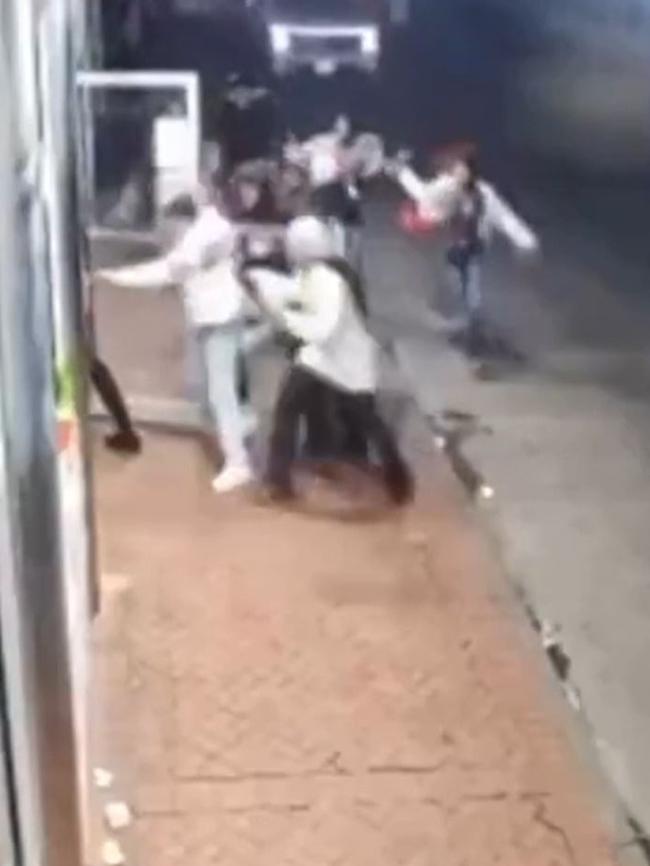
{"type": "Point", "coordinates": [124, 442]}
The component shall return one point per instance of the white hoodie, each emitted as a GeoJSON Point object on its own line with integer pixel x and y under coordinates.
{"type": "Point", "coordinates": [437, 199]}
{"type": "Point", "coordinates": [317, 307]}
{"type": "Point", "coordinates": [203, 263]}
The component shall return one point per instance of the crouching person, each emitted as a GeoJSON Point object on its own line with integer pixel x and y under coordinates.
{"type": "Point", "coordinates": [336, 364]}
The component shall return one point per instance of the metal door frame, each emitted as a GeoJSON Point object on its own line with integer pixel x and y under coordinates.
{"type": "Point", "coordinates": [88, 81]}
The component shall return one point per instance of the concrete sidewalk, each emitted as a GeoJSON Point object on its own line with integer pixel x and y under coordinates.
{"type": "Point", "coordinates": [565, 447]}
{"type": "Point", "coordinates": [292, 688]}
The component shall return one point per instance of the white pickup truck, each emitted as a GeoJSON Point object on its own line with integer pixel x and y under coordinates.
{"type": "Point", "coordinates": [325, 36]}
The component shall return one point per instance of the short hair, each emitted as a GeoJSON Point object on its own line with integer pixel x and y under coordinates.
{"type": "Point", "coordinates": [460, 151]}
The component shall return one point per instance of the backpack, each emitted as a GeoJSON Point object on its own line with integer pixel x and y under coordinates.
{"type": "Point", "coordinates": [466, 228]}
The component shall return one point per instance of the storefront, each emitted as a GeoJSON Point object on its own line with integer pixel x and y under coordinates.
{"type": "Point", "coordinates": [46, 551]}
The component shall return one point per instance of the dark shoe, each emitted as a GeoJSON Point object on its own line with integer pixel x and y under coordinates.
{"type": "Point", "coordinates": [125, 442]}
{"type": "Point", "coordinates": [275, 497]}
{"type": "Point", "coordinates": [324, 469]}
{"type": "Point", "coordinates": [401, 489]}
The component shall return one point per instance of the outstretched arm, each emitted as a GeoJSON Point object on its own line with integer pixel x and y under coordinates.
{"type": "Point", "coordinates": [505, 220]}
{"type": "Point", "coordinates": [433, 197]}
{"type": "Point", "coordinates": [156, 274]}
{"type": "Point", "coordinates": [162, 272]}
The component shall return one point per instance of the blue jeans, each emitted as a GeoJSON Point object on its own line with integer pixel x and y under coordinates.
{"type": "Point", "coordinates": [466, 267]}
{"type": "Point", "coordinates": [470, 286]}
{"type": "Point", "coordinates": [216, 350]}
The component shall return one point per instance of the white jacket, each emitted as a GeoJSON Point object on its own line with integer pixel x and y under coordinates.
{"type": "Point", "coordinates": [438, 197]}
{"type": "Point", "coordinates": [321, 155]}
{"type": "Point", "coordinates": [316, 306]}
{"type": "Point", "coordinates": [203, 264]}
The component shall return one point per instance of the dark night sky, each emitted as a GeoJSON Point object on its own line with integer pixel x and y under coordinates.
{"type": "Point", "coordinates": [452, 73]}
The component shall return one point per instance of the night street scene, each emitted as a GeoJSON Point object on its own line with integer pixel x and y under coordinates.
{"type": "Point", "coordinates": [325, 411]}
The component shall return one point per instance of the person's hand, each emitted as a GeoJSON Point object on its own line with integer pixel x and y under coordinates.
{"type": "Point", "coordinates": [530, 252]}
{"type": "Point", "coordinates": [392, 167]}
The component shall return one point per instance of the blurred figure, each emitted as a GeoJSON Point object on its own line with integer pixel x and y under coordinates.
{"type": "Point", "coordinates": [336, 362]}
{"type": "Point", "coordinates": [338, 164]}
{"type": "Point", "coordinates": [203, 262]}
{"type": "Point", "coordinates": [247, 122]}
{"type": "Point", "coordinates": [323, 158]}
{"type": "Point", "coordinates": [473, 211]}
{"type": "Point", "coordinates": [250, 193]}
{"type": "Point", "coordinates": [125, 438]}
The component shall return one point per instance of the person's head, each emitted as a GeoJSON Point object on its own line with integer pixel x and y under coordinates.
{"type": "Point", "coordinates": [248, 194]}
{"type": "Point", "coordinates": [466, 171]}
{"type": "Point", "coordinates": [308, 240]}
{"type": "Point", "coordinates": [459, 160]}
{"type": "Point", "coordinates": [292, 177]}
{"type": "Point", "coordinates": [342, 127]}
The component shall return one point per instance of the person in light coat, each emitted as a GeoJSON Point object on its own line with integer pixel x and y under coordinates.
{"type": "Point", "coordinates": [336, 362]}
{"type": "Point", "coordinates": [473, 211]}
{"type": "Point", "coordinates": [202, 262]}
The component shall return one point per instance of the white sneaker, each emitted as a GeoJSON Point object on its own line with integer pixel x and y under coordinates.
{"type": "Point", "coordinates": [232, 477]}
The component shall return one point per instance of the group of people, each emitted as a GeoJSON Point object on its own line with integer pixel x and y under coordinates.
{"type": "Point", "coordinates": [308, 291]}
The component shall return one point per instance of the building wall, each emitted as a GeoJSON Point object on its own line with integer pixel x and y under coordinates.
{"type": "Point", "coordinates": [44, 551]}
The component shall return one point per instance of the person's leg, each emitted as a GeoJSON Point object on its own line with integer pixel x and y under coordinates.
{"type": "Point", "coordinates": [243, 381]}
{"type": "Point", "coordinates": [220, 348]}
{"type": "Point", "coordinates": [125, 438]}
{"type": "Point", "coordinates": [300, 388]}
{"type": "Point", "coordinates": [473, 288]}
{"type": "Point", "coordinates": [363, 412]}
{"type": "Point", "coordinates": [195, 381]}
{"type": "Point", "coordinates": [320, 432]}
{"type": "Point", "coordinates": [354, 440]}
{"type": "Point", "coordinates": [476, 341]}
{"type": "Point", "coordinates": [354, 250]}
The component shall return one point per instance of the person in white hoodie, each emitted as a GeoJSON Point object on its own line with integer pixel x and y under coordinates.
{"type": "Point", "coordinates": [473, 211]}
{"type": "Point", "coordinates": [336, 363]}
{"type": "Point", "coordinates": [203, 264]}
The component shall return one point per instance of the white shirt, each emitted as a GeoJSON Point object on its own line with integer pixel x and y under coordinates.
{"type": "Point", "coordinates": [438, 198]}
{"type": "Point", "coordinates": [203, 264]}
{"type": "Point", "coordinates": [321, 155]}
{"type": "Point", "coordinates": [337, 346]}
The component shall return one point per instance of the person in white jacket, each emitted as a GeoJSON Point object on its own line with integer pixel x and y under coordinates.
{"type": "Point", "coordinates": [336, 363]}
{"type": "Point", "coordinates": [473, 210]}
{"type": "Point", "coordinates": [203, 264]}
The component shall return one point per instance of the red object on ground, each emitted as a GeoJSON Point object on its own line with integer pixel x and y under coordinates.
{"type": "Point", "coordinates": [412, 221]}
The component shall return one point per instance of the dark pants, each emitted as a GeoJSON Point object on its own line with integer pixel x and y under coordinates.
{"type": "Point", "coordinates": [329, 431]}
{"type": "Point", "coordinates": [110, 395]}
{"type": "Point", "coordinates": [303, 394]}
